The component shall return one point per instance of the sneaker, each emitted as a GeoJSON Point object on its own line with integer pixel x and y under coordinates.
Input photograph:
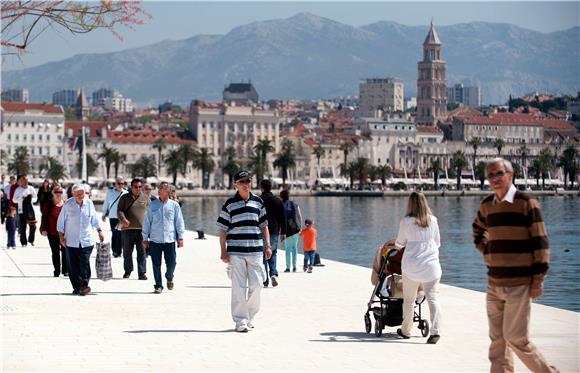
{"type": "Point", "coordinates": [76, 292]}
{"type": "Point", "coordinates": [142, 276]}
{"type": "Point", "coordinates": [242, 328]}
{"type": "Point", "coordinates": [293, 269]}
{"type": "Point", "coordinates": [85, 290]}
{"type": "Point", "coordinates": [433, 339]}
{"type": "Point", "coordinates": [157, 290]}
{"type": "Point", "coordinates": [251, 325]}
{"type": "Point", "coordinates": [170, 285]}
{"type": "Point", "coordinates": [309, 269]}
{"type": "Point", "coordinates": [400, 333]}
{"type": "Point", "coordinates": [287, 270]}
{"type": "Point", "coordinates": [304, 268]}
{"type": "Point", "coordinates": [274, 281]}
{"type": "Point", "coordinates": [127, 275]}
{"type": "Point", "coordinates": [56, 274]}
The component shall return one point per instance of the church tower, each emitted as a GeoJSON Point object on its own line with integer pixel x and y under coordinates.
{"type": "Point", "coordinates": [82, 108]}
{"type": "Point", "coordinates": [431, 83]}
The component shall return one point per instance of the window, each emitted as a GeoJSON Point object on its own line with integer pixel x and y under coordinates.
{"type": "Point", "coordinates": [24, 137]}
{"type": "Point", "coordinates": [59, 151]}
{"type": "Point", "coordinates": [32, 124]}
{"type": "Point", "coordinates": [40, 150]}
{"type": "Point", "coordinates": [32, 137]}
{"type": "Point", "coordinates": [16, 137]}
{"type": "Point", "coordinates": [47, 137]}
{"type": "Point", "coordinates": [40, 137]}
{"type": "Point", "coordinates": [8, 137]}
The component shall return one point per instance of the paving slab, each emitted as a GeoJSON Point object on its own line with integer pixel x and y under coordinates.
{"type": "Point", "coordinates": [310, 322]}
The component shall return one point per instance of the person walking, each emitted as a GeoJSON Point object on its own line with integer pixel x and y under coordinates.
{"type": "Point", "coordinates": [131, 213]}
{"type": "Point", "coordinates": [162, 226]}
{"type": "Point", "coordinates": [25, 197]}
{"type": "Point", "coordinates": [44, 194]}
{"type": "Point", "coordinates": [293, 218]}
{"type": "Point", "coordinates": [147, 191]}
{"type": "Point", "coordinates": [48, 221]}
{"type": "Point", "coordinates": [419, 235]}
{"type": "Point", "coordinates": [244, 242]}
{"type": "Point", "coordinates": [309, 236]}
{"type": "Point", "coordinates": [276, 228]}
{"type": "Point", "coordinates": [110, 206]}
{"type": "Point", "coordinates": [509, 232]}
{"type": "Point", "coordinates": [75, 225]}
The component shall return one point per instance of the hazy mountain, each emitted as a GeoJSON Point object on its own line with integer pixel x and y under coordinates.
{"type": "Point", "coordinates": [307, 56]}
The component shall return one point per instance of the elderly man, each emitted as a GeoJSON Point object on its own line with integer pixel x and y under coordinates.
{"type": "Point", "coordinates": [163, 224]}
{"type": "Point", "coordinates": [110, 206]}
{"type": "Point", "coordinates": [509, 231]}
{"type": "Point", "coordinates": [75, 225]}
{"type": "Point", "coordinates": [244, 241]}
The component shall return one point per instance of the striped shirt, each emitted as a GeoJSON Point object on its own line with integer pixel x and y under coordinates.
{"type": "Point", "coordinates": [243, 222]}
{"type": "Point", "coordinates": [513, 239]}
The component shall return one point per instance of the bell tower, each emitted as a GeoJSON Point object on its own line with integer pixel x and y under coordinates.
{"type": "Point", "coordinates": [431, 82]}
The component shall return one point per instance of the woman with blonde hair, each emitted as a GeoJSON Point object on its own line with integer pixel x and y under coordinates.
{"type": "Point", "coordinates": [419, 235]}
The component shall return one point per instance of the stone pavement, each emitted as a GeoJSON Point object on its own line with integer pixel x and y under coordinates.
{"type": "Point", "coordinates": [310, 322]}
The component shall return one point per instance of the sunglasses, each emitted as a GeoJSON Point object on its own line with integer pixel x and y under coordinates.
{"type": "Point", "coordinates": [493, 175]}
{"type": "Point", "coordinates": [137, 186]}
{"type": "Point", "coordinates": [58, 192]}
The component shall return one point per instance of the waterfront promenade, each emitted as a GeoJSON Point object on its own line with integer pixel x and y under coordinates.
{"type": "Point", "coordinates": [310, 322]}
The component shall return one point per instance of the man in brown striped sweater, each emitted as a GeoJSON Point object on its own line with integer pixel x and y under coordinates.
{"type": "Point", "coordinates": [509, 231]}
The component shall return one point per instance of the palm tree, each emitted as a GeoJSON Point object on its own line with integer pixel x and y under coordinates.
{"type": "Point", "coordinates": [256, 166]}
{"type": "Point", "coordinates": [568, 163]}
{"type": "Point", "coordinates": [459, 162]}
{"type": "Point", "coordinates": [384, 172]}
{"type": "Point", "coordinates": [475, 143]}
{"type": "Point", "coordinates": [499, 145]}
{"type": "Point", "coordinates": [361, 169]}
{"type": "Point", "coordinates": [187, 154]}
{"type": "Point", "coordinates": [436, 168]}
{"type": "Point", "coordinates": [160, 145]}
{"type": "Point", "coordinates": [346, 147]}
{"type": "Point", "coordinates": [523, 151]}
{"type": "Point", "coordinates": [480, 173]}
{"type": "Point", "coordinates": [91, 165]}
{"type": "Point", "coordinates": [107, 154]}
{"type": "Point", "coordinates": [117, 159]}
{"type": "Point", "coordinates": [148, 167]}
{"type": "Point", "coordinates": [173, 164]}
{"type": "Point", "coordinates": [20, 164]}
{"type": "Point", "coordinates": [536, 169]}
{"type": "Point", "coordinates": [546, 160]}
{"type": "Point", "coordinates": [231, 167]}
{"type": "Point", "coordinates": [286, 159]}
{"type": "Point", "coordinates": [318, 151]}
{"type": "Point", "coordinates": [262, 148]}
{"type": "Point", "coordinates": [204, 163]}
{"type": "Point", "coordinates": [55, 169]}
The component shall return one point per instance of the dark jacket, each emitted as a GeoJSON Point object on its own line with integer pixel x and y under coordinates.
{"type": "Point", "coordinates": [275, 211]}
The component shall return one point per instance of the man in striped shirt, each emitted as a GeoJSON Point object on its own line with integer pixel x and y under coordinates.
{"type": "Point", "coordinates": [244, 240]}
{"type": "Point", "coordinates": [509, 231]}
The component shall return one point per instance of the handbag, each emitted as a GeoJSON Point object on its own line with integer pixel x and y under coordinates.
{"type": "Point", "coordinates": [291, 225]}
{"type": "Point", "coordinates": [103, 261]}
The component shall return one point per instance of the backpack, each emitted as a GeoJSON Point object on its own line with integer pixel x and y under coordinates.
{"type": "Point", "coordinates": [292, 226]}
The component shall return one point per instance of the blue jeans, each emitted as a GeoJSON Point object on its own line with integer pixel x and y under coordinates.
{"type": "Point", "coordinates": [168, 251]}
{"type": "Point", "coordinates": [290, 245]}
{"type": "Point", "coordinates": [79, 266]}
{"type": "Point", "coordinates": [270, 264]}
{"type": "Point", "coordinates": [116, 240]}
{"type": "Point", "coordinates": [133, 238]}
{"type": "Point", "coordinates": [309, 258]}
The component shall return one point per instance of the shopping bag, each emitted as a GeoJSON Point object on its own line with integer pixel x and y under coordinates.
{"type": "Point", "coordinates": [103, 261]}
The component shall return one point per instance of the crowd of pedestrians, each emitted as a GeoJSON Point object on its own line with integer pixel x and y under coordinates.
{"type": "Point", "coordinates": [508, 230]}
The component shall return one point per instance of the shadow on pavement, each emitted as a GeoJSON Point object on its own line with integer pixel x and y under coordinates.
{"type": "Point", "coordinates": [27, 294]}
{"type": "Point", "coordinates": [20, 276]}
{"type": "Point", "coordinates": [342, 337]}
{"type": "Point", "coordinates": [178, 331]}
{"type": "Point", "coordinates": [209, 287]}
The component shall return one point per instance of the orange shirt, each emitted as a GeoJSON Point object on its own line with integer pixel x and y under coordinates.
{"type": "Point", "coordinates": [309, 235]}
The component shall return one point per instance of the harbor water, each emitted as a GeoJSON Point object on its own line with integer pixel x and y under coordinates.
{"type": "Point", "coordinates": [350, 230]}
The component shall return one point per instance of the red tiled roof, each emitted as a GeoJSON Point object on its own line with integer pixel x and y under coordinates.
{"type": "Point", "coordinates": [428, 129]}
{"type": "Point", "coordinates": [145, 136]}
{"type": "Point", "coordinates": [464, 111]}
{"type": "Point", "coordinates": [21, 107]}
{"type": "Point", "coordinates": [510, 119]}
{"type": "Point", "coordinates": [94, 126]}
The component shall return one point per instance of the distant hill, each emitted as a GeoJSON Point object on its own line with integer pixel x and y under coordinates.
{"type": "Point", "coordinates": [308, 57]}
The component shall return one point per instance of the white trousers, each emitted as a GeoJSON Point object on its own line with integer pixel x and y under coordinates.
{"type": "Point", "coordinates": [247, 282]}
{"type": "Point", "coordinates": [410, 288]}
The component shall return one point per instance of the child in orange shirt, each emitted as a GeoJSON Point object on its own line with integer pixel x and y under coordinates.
{"type": "Point", "coordinates": [309, 234]}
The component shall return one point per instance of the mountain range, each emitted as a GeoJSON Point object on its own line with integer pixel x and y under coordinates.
{"type": "Point", "coordinates": [310, 57]}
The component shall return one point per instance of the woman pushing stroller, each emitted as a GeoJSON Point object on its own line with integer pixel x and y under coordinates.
{"type": "Point", "coordinates": [419, 235]}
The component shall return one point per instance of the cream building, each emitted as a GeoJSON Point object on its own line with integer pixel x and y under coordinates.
{"type": "Point", "coordinates": [38, 127]}
{"type": "Point", "coordinates": [386, 94]}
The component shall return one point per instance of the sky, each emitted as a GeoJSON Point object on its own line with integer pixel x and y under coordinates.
{"type": "Point", "coordinates": [177, 20]}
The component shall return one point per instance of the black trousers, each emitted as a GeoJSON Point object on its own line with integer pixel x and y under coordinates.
{"type": "Point", "coordinates": [22, 230]}
{"type": "Point", "coordinates": [79, 267]}
{"type": "Point", "coordinates": [58, 251]}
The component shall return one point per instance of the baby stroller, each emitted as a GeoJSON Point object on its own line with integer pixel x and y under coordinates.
{"type": "Point", "coordinates": [386, 301]}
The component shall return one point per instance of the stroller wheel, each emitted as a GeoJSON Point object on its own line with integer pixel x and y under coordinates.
{"type": "Point", "coordinates": [424, 326]}
{"type": "Point", "coordinates": [378, 328]}
{"type": "Point", "coordinates": [368, 325]}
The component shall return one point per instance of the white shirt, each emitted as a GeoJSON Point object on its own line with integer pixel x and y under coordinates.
{"type": "Point", "coordinates": [421, 258]}
{"type": "Point", "coordinates": [509, 196]}
{"type": "Point", "coordinates": [21, 193]}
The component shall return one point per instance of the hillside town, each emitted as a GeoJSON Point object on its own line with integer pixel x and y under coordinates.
{"type": "Point", "coordinates": [376, 139]}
